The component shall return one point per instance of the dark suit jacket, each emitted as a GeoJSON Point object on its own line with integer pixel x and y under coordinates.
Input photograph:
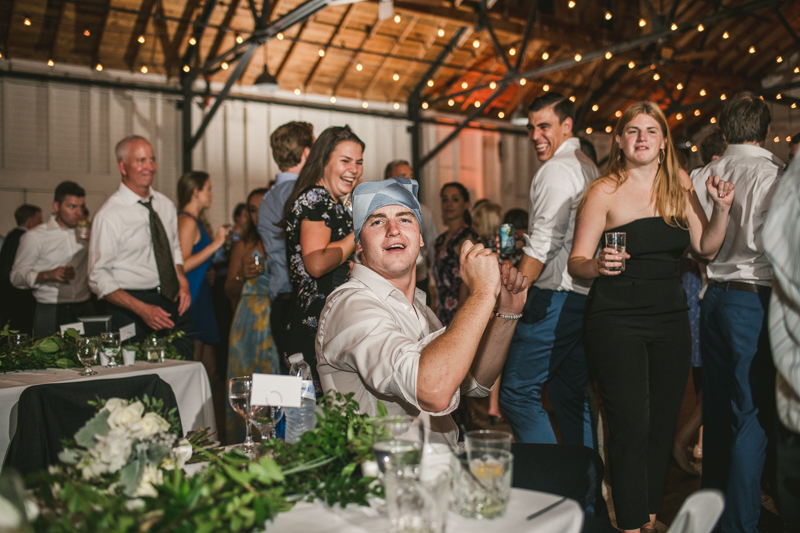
{"type": "Point", "coordinates": [16, 306]}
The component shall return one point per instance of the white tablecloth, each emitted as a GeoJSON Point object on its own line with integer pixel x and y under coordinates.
{"type": "Point", "coordinates": [316, 517]}
{"type": "Point", "coordinates": [188, 380]}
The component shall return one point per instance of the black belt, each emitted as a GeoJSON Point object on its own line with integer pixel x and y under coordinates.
{"type": "Point", "coordinates": [741, 286]}
{"type": "Point", "coordinates": [157, 290]}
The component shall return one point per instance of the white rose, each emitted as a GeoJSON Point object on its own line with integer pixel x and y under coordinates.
{"type": "Point", "coordinates": [152, 423]}
{"type": "Point", "coordinates": [114, 404]}
{"type": "Point", "coordinates": [113, 449]}
{"type": "Point", "coordinates": [123, 417]}
{"type": "Point", "coordinates": [151, 476]}
{"type": "Point", "coordinates": [182, 452]}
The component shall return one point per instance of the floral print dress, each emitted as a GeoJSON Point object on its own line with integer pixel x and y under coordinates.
{"type": "Point", "coordinates": [309, 293]}
{"type": "Point", "coordinates": [447, 271]}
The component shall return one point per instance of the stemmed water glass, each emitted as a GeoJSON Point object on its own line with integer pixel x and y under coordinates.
{"type": "Point", "coordinates": [111, 348]}
{"type": "Point", "coordinates": [265, 418]}
{"type": "Point", "coordinates": [87, 354]}
{"type": "Point", "coordinates": [239, 398]}
{"type": "Point", "coordinates": [397, 440]}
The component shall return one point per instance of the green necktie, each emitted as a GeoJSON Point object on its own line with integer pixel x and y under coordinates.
{"type": "Point", "coordinates": [161, 247]}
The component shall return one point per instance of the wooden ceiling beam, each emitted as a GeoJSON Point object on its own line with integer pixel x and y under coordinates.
{"type": "Point", "coordinates": [226, 22]}
{"type": "Point", "coordinates": [98, 31]}
{"type": "Point", "coordinates": [290, 51]}
{"type": "Point", "coordinates": [6, 9]}
{"type": "Point", "coordinates": [354, 61]}
{"type": "Point", "coordinates": [348, 14]}
{"type": "Point", "coordinates": [139, 27]}
{"type": "Point", "coordinates": [398, 44]}
{"type": "Point", "coordinates": [52, 19]}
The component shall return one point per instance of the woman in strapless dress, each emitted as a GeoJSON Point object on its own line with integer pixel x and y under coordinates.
{"type": "Point", "coordinates": [636, 323]}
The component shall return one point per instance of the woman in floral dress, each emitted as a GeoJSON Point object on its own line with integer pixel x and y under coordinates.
{"type": "Point", "coordinates": [319, 233]}
{"type": "Point", "coordinates": [446, 268]}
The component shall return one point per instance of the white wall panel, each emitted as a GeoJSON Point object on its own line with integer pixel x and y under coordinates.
{"type": "Point", "coordinates": [25, 125]}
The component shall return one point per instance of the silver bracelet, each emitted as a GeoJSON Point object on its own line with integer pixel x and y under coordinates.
{"type": "Point", "coordinates": [508, 317]}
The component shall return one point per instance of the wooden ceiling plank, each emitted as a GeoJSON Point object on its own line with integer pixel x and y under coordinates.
{"type": "Point", "coordinates": [226, 22]}
{"type": "Point", "coordinates": [100, 31]}
{"type": "Point", "coordinates": [398, 44]}
{"type": "Point", "coordinates": [52, 19]}
{"type": "Point", "coordinates": [163, 36]}
{"type": "Point", "coordinates": [180, 32]}
{"type": "Point", "coordinates": [423, 51]}
{"type": "Point", "coordinates": [367, 36]}
{"type": "Point", "coordinates": [348, 14]}
{"type": "Point", "coordinates": [290, 51]}
{"type": "Point", "coordinates": [139, 26]}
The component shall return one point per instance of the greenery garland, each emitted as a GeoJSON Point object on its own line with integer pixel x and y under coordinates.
{"type": "Point", "coordinates": [232, 494]}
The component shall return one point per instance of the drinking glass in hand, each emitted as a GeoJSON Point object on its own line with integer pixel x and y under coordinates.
{"type": "Point", "coordinates": [111, 348]}
{"type": "Point", "coordinates": [87, 354]}
{"type": "Point", "coordinates": [397, 440]}
{"type": "Point", "coordinates": [259, 263]}
{"type": "Point", "coordinates": [616, 240]}
{"type": "Point", "coordinates": [239, 397]}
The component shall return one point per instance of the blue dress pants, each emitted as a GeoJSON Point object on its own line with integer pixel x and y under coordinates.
{"type": "Point", "coordinates": [738, 400]}
{"type": "Point", "coordinates": [547, 348]}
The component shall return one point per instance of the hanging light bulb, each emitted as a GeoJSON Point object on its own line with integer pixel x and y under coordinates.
{"type": "Point", "coordinates": [595, 107]}
{"type": "Point", "coordinates": [297, 92]}
{"type": "Point", "coordinates": [778, 96]}
{"type": "Point", "coordinates": [694, 148]}
{"type": "Point", "coordinates": [702, 92]}
{"type": "Point", "coordinates": [713, 120]}
{"type": "Point", "coordinates": [752, 50]}
{"type": "Point", "coordinates": [476, 43]}
{"type": "Point", "coordinates": [673, 27]}
{"type": "Point", "coordinates": [578, 57]}
{"type": "Point", "coordinates": [50, 63]}
{"type": "Point", "coordinates": [523, 81]}
{"type": "Point", "coordinates": [424, 105]}
{"type": "Point", "coordinates": [608, 129]}
{"type": "Point", "coordinates": [27, 21]}
{"type": "Point", "coordinates": [279, 36]}
{"type": "Point", "coordinates": [725, 35]}
{"type": "Point", "coordinates": [501, 115]}
{"type": "Point", "coordinates": [679, 116]}
{"type": "Point", "coordinates": [794, 105]}
{"type": "Point", "coordinates": [333, 99]}
{"type": "Point", "coordinates": [546, 88]}
{"type": "Point", "coordinates": [571, 4]}
{"type": "Point", "coordinates": [396, 105]}
{"type": "Point", "coordinates": [797, 70]}
{"type": "Point", "coordinates": [697, 112]}
{"type": "Point", "coordinates": [588, 131]}
{"type": "Point", "coordinates": [656, 76]}
{"type": "Point", "coordinates": [464, 85]}
{"type": "Point", "coordinates": [321, 52]}
{"type": "Point", "coordinates": [779, 60]}
{"type": "Point", "coordinates": [365, 104]}
{"type": "Point", "coordinates": [631, 65]}
{"type": "Point", "coordinates": [98, 67]}
{"type": "Point", "coordinates": [430, 83]}
{"type": "Point", "coordinates": [192, 41]}
{"type": "Point", "coordinates": [440, 33]}
{"type": "Point", "coordinates": [224, 65]}
{"type": "Point", "coordinates": [239, 38]}
{"type": "Point", "coordinates": [451, 102]}
{"type": "Point", "coordinates": [492, 85]}
{"type": "Point", "coordinates": [776, 139]}
{"type": "Point", "coordinates": [397, 18]}
{"type": "Point", "coordinates": [359, 67]}
{"type": "Point", "coordinates": [396, 77]}
{"type": "Point", "coordinates": [141, 39]}
{"type": "Point", "coordinates": [608, 55]}
{"type": "Point", "coordinates": [477, 103]}
{"type": "Point", "coordinates": [571, 98]}
{"type": "Point", "coordinates": [642, 23]}
{"type": "Point", "coordinates": [679, 86]}
{"type": "Point", "coordinates": [545, 56]}
{"type": "Point", "coordinates": [86, 33]}
{"type": "Point", "coordinates": [186, 68]}
{"type": "Point", "coordinates": [143, 69]}
{"type": "Point", "coordinates": [618, 113]}
{"type": "Point", "coordinates": [512, 51]}
{"type": "Point", "coordinates": [608, 15]}
{"type": "Point", "coordinates": [700, 27]}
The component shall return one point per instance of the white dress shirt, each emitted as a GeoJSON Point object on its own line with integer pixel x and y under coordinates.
{"type": "Point", "coordinates": [782, 244]}
{"type": "Point", "coordinates": [121, 250]}
{"type": "Point", "coordinates": [555, 191]}
{"type": "Point", "coordinates": [755, 173]}
{"type": "Point", "coordinates": [46, 247]}
{"type": "Point", "coordinates": [369, 342]}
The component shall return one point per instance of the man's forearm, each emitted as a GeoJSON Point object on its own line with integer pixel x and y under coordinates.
{"type": "Point", "coordinates": [493, 350]}
{"type": "Point", "coordinates": [530, 267]}
{"type": "Point", "coordinates": [121, 298]}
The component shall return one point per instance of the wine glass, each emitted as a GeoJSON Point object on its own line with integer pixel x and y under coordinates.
{"type": "Point", "coordinates": [239, 398]}
{"type": "Point", "coordinates": [397, 440]}
{"type": "Point", "coordinates": [111, 348]}
{"type": "Point", "coordinates": [265, 418]}
{"type": "Point", "coordinates": [87, 354]}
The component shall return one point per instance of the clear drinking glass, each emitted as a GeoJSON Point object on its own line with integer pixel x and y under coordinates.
{"type": "Point", "coordinates": [398, 439]}
{"type": "Point", "coordinates": [480, 440]}
{"type": "Point", "coordinates": [482, 485]}
{"type": "Point", "coordinates": [154, 349]}
{"type": "Point", "coordinates": [111, 348]}
{"type": "Point", "coordinates": [87, 354]}
{"type": "Point", "coordinates": [239, 398]}
{"type": "Point", "coordinates": [616, 240]}
{"type": "Point", "coordinates": [265, 418]}
{"type": "Point", "coordinates": [417, 499]}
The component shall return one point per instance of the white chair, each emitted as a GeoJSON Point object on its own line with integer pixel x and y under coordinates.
{"type": "Point", "coordinates": [699, 513]}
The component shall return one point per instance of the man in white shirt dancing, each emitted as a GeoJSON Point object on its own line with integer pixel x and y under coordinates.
{"type": "Point", "coordinates": [135, 260]}
{"type": "Point", "coordinates": [379, 340]}
{"type": "Point", "coordinates": [547, 347]}
{"type": "Point", "coordinates": [51, 260]}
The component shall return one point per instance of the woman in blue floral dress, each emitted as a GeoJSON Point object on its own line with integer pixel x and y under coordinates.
{"type": "Point", "coordinates": [446, 268]}
{"type": "Point", "coordinates": [319, 233]}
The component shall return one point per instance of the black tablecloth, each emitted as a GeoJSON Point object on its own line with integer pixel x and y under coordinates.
{"type": "Point", "coordinates": [46, 414]}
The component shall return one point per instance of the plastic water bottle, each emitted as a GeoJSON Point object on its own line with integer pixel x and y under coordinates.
{"type": "Point", "coordinates": [301, 419]}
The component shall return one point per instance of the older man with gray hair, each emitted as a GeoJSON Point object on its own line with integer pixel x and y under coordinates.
{"type": "Point", "coordinates": [135, 260]}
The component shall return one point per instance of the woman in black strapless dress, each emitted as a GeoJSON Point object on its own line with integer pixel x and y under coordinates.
{"type": "Point", "coordinates": [636, 325]}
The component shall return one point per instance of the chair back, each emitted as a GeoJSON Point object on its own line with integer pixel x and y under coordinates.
{"type": "Point", "coordinates": [699, 513]}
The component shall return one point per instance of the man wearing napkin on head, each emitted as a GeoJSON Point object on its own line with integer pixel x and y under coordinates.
{"type": "Point", "coordinates": [379, 340]}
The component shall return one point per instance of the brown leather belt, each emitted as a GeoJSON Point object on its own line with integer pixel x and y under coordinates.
{"type": "Point", "coordinates": [741, 286]}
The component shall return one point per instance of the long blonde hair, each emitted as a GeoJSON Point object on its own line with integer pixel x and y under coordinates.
{"type": "Point", "coordinates": [668, 192]}
{"type": "Point", "coordinates": [486, 219]}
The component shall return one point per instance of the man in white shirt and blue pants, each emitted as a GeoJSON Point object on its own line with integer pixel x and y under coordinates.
{"type": "Point", "coordinates": [547, 347]}
{"type": "Point", "coordinates": [738, 373]}
{"type": "Point", "coordinates": [51, 260]}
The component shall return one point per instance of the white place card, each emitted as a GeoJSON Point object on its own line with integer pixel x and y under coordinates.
{"type": "Point", "coordinates": [273, 389]}
{"type": "Point", "coordinates": [127, 332]}
{"type": "Point", "coordinates": [75, 325]}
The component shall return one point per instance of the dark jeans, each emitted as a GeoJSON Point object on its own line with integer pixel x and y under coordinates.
{"type": "Point", "coordinates": [278, 320]}
{"type": "Point", "coordinates": [48, 317]}
{"type": "Point", "coordinates": [738, 400]}
{"type": "Point", "coordinates": [641, 364]}
{"type": "Point", "coordinates": [121, 317]}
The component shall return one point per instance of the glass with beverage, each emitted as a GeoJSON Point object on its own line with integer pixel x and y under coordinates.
{"type": "Point", "coordinates": [239, 398]}
{"type": "Point", "coordinates": [87, 354]}
{"type": "Point", "coordinates": [259, 262]}
{"type": "Point", "coordinates": [111, 348]}
{"type": "Point", "coordinates": [616, 240]}
{"type": "Point", "coordinates": [397, 439]}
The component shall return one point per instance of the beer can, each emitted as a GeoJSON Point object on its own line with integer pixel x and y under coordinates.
{"type": "Point", "coordinates": [507, 245]}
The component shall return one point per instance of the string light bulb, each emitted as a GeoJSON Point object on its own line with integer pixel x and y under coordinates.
{"type": "Point", "coordinates": [797, 70]}
{"type": "Point", "coordinates": [779, 59]}
{"type": "Point", "coordinates": [86, 33]}
{"type": "Point", "coordinates": [99, 67]}
{"type": "Point", "coordinates": [608, 15]}
{"type": "Point", "coordinates": [477, 103]}
{"type": "Point", "coordinates": [788, 138]}
{"type": "Point", "coordinates": [572, 99]}
{"type": "Point", "coordinates": [694, 148]}
{"type": "Point", "coordinates": [397, 18]}
{"type": "Point", "coordinates": [642, 23]}
{"type": "Point", "coordinates": [424, 105]}
{"type": "Point", "coordinates": [656, 76]}
{"type": "Point", "coordinates": [143, 69]}
{"type": "Point", "coordinates": [396, 105]}
{"type": "Point", "coordinates": [224, 65]}
{"type": "Point", "coordinates": [501, 115]}
{"type": "Point", "coordinates": [279, 36]}
{"type": "Point", "coordinates": [50, 63]}
{"type": "Point", "coordinates": [571, 4]}
{"type": "Point", "coordinates": [673, 27]}
{"type": "Point", "coordinates": [679, 116]}
{"type": "Point", "coordinates": [618, 113]}
{"type": "Point", "coordinates": [725, 35]}
{"type": "Point", "coordinates": [430, 83]}
{"type": "Point", "coordinates": [333, 99]}
{"type": "Point", "coordinates": [522, 81]}
{"type": "Point", "coordinates": [546, 88]}
{"type": "Point", "coordinates": [297, 92]}
{"type": "Point", "coordinates": [492, 85]}
{"type": "Point", "coordinates": [778, 96]}
{"type": "Point", "coordinates": [321, 52]}
{"type": "Point", "coordinates": [700, 27]}
{"type": "Point", "coordinates": [512, 51]}
{"type": "Point", "coordinates": [631, 65]}
{"type": "Point", "coordinates": [239, 38]}
{"type": "Point", "coordinates": [595, 107]}
{"type": "Point", "coordinates": [588, 131]}
{"type": "Point", "coordinates": [679, 86]}
{"type": "Point", "coordinates": [702, 92]}
{"type": "Point", "coordinates": [440, 33]}
{"type": "Point", "coordinates": [608, 129]}
{"type": "Point", "coordinates": [608, 55]}
{"type": "Point", "coordinates": [464, 85]}
{"type": "Point", "coordinates": [752, 50]}
{"type": "Point", "coordinates": [359, 67]}
{"type": "Point", "coordinates": [476, 43]}
{"type": "Point", "coordinates": [451, 102]}
{"type": "Point", "coordinates": [192, 41]}
{"type": "Point", "coordinates": [141, 39]}
{"type": "Point", "coordinates": [396, 77]}
{"type": "Point", "coordinates": [697, 112]}
{"type": "Point", "coordinates": [27, 21]}
{"type": "Point", "coordinates": [578, 57]}
{"type": "Point", "coordinates": [794, 105]}
{"type": "Point", "coordinates": [776, 139]}
{"type": "Point", "coordinates": [713, 120]}
{"type": "Point", "coordinates": [186, 68]}
{"type": "Point", "coordinates": [365, 104]}
{"type": "Point", "coordinates": [545, 56]}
